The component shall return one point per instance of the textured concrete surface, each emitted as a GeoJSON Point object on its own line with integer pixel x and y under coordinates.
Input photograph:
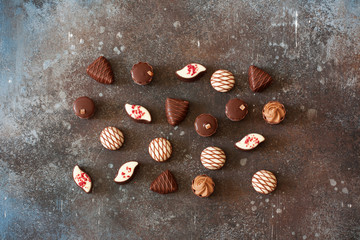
{"type": "Point", "coordinates": [312, 50]}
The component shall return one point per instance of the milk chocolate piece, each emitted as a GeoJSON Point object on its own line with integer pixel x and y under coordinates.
{"type": "Point", "coordinates": [264, 182]}
{"type": "Point", "coordinates": [100, 70]}
{"type": "Point", "coordinates": [191, 72]}
{"type": "Point", "coordinates": [84, 107]}
{"type": "Point", "coordinates": [205, 125]}
{"type": "Point", "coordinates": [203, 186]}
{"type": "Point", "coordinates": [164, 183]}
{"type": "Point", "coordinates": [274, 112]}
{"type": "Point", "coordinates": [176, 110]}
{"type": "Point", "coordinates": [142, 73]}
{"type": "Point", "coordinates": [138, 113]}
{"type": "Point", "coordinates": [236, 109]}
{"type": "Point", "coordinates": [258, 79]}
{"type": "Point", "coordinates": [82, 179]}
{"type": "Point", "coordinates": [126, 172]}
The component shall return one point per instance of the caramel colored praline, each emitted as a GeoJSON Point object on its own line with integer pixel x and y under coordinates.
{"type": "Point", "coordinates": [203, 186]}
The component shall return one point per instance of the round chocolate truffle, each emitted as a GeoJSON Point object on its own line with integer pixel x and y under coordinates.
{"type": "Point", "coordinates": [274, 112]}
{"type": "Point", "coordinates": [205, 125]}
{"type": "Point", "coordinates": [203, 186]}
{"type": "Point", "coordinates": [142, 73]}
{"type": "Point", "coordinates": [84, 107]}
{"type": "Point", "coordinates": [236, 109]}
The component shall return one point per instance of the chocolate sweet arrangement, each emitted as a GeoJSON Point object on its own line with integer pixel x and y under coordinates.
{"type": "Point", "coordinates": [176, 110]}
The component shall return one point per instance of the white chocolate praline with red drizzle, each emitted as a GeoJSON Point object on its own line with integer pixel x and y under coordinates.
{"type": "Point", "coordinates": [82, 179]}
{"type": "Point", "coordinates": [126, 171]}
{"type": "Point", "coordinates": [138, 113]}
{"type": "Point", "coordinates": [264, 182]}
{"type": "Point", "coordinates": [160, 149]}
{"type": "Point", "coordinates": [191, 70]}
{"type": "Point", "coordinates": [222, 80]}
{"type": "Point", "coordinates": [213, 158]}
{"type": "Point", "coordinates": [250, 141]}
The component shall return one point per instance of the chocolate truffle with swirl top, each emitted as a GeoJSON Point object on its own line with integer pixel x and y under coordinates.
{"type": "Point", "coordinates": [203, 186]}
{"type": "Point", "coordinates": [273, 112]}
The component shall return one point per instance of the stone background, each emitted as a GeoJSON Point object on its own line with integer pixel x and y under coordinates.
{"type": "Point", "coordinates": [312, 50]}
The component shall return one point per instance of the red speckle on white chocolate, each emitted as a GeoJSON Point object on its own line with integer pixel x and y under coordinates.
{"type": "Point", "coordinates": [126, 171]}
{"type": "Point", "coordinates": [250, 141]}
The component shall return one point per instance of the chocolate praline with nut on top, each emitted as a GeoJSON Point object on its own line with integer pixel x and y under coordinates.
{"type": "Point", "coordinates": [142, 73]}
{"type": "Point", "coordinates": [205, 125]}
{"type": "Point", "coordinates": [236, 109]}
{"type": "Point", "coordinates": [84, 107]}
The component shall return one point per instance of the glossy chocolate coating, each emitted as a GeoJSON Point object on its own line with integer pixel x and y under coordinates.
{"type": "Point", "coordinates": [205, 125]}
{"type": "Point", "coordinates": [142, 73]}
{"type": "Point", "coordinates": [236, 109]}
{"type": "Point", "coordinates": [84, 107]}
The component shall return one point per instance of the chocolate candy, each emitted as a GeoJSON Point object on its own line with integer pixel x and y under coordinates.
{"type": "Point", "coordinates": [191, 72]}
{"type": "Point", "coordinates": [213, 158]}
{"type": "Point", "coordinates": [273, 112]}
{"type": "Point", "coordinates": [205, 125]}
{"type": "Point", "coordinates": [258, 79]}
{"type": "Point", "coordinates": [82, 179]}
{"type": "Point", "coordinates": [236, 109]}
{"type": "Point", "coordinates": [250, 141]}
{"type": "Point", "coordinates": [126, 171]}
{"type": "Point", "coordinates": [264, 182]}
{"type": "Point", "coordinates": [203, 186]}
{"type": "Point", "coordinates": [142, 73]}
{"type": "Point", "coordinates": [164, 183]}
{"type": "Point", "coordinates": [138, 113]}
{"type": "Point", "coordinates": [222, 80]}
{"type": "Point", "coordinates": [100, 70]}
{"type": "Point", "coordinates": [111, 138]}
{"type": "Point", "coordinates": [84, 107]}
{"type": "Point", "coordinates": [160, 149]}
{"type": "Point", "coordinates": [176, 110]}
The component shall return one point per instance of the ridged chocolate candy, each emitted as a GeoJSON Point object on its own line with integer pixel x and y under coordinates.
{"type": "Point", "coordinates": [258, 79]}
{"type": "Point", "coordinates": [203, 186]}
{"type": "Point", "coordinates": [176, 110]}
{"type": "Point", "coordinates": [100, 70]}
{"type": "Point", "coordinates": [164, 183]}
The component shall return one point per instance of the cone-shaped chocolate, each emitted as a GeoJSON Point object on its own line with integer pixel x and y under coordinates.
{"type": "Point", "coordinates": [100, 70]}
{"type": "Point", "coordinates": [176, 110]}
{"type": "Point", "coordinates": [258, 79]}
{"type": "Point", "coordinates": [164, 183]}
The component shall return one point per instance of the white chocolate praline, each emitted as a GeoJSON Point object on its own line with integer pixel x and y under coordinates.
{"type": "Point", "coordinates": [191, 70]}
{"type": "Point", "coordinates": [222, 80]}
{"type": "Point", "coordinates": [160, 149]}
{"type": "Point", "coordinates": [250, 141]}
{"type": "Point", "coordinates": [111, 138]}
{"type": "Point", "coordinates": [82, 179]}
{"type": "Point", "coordinates": [138, 112]}
{"type": "Point", "coordinates": [126, 171]}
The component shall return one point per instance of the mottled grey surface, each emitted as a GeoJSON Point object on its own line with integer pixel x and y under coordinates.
{"type": "Point", "coordinates": [312, 50]}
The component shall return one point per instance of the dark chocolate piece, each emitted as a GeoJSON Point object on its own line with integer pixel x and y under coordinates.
{"type": "Point", "coordinates": [190, 72]}
{"type": "Point", "coordinates": [164, 183]}
{"type": "Point", "coordinates": [205, 125]}
{"type": "Point", "coordinates": [84, 107]}
{"type": "Point", "coordinates": [176, 110]}
{"type": "Point", "coordinates": [142, 73]}
{"type": "Point", "coordinates": [100, 70]}
{"type": "Point", "coordinates": [236, 109]}
{"type": "Point", "coordinates": [258, 79]}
